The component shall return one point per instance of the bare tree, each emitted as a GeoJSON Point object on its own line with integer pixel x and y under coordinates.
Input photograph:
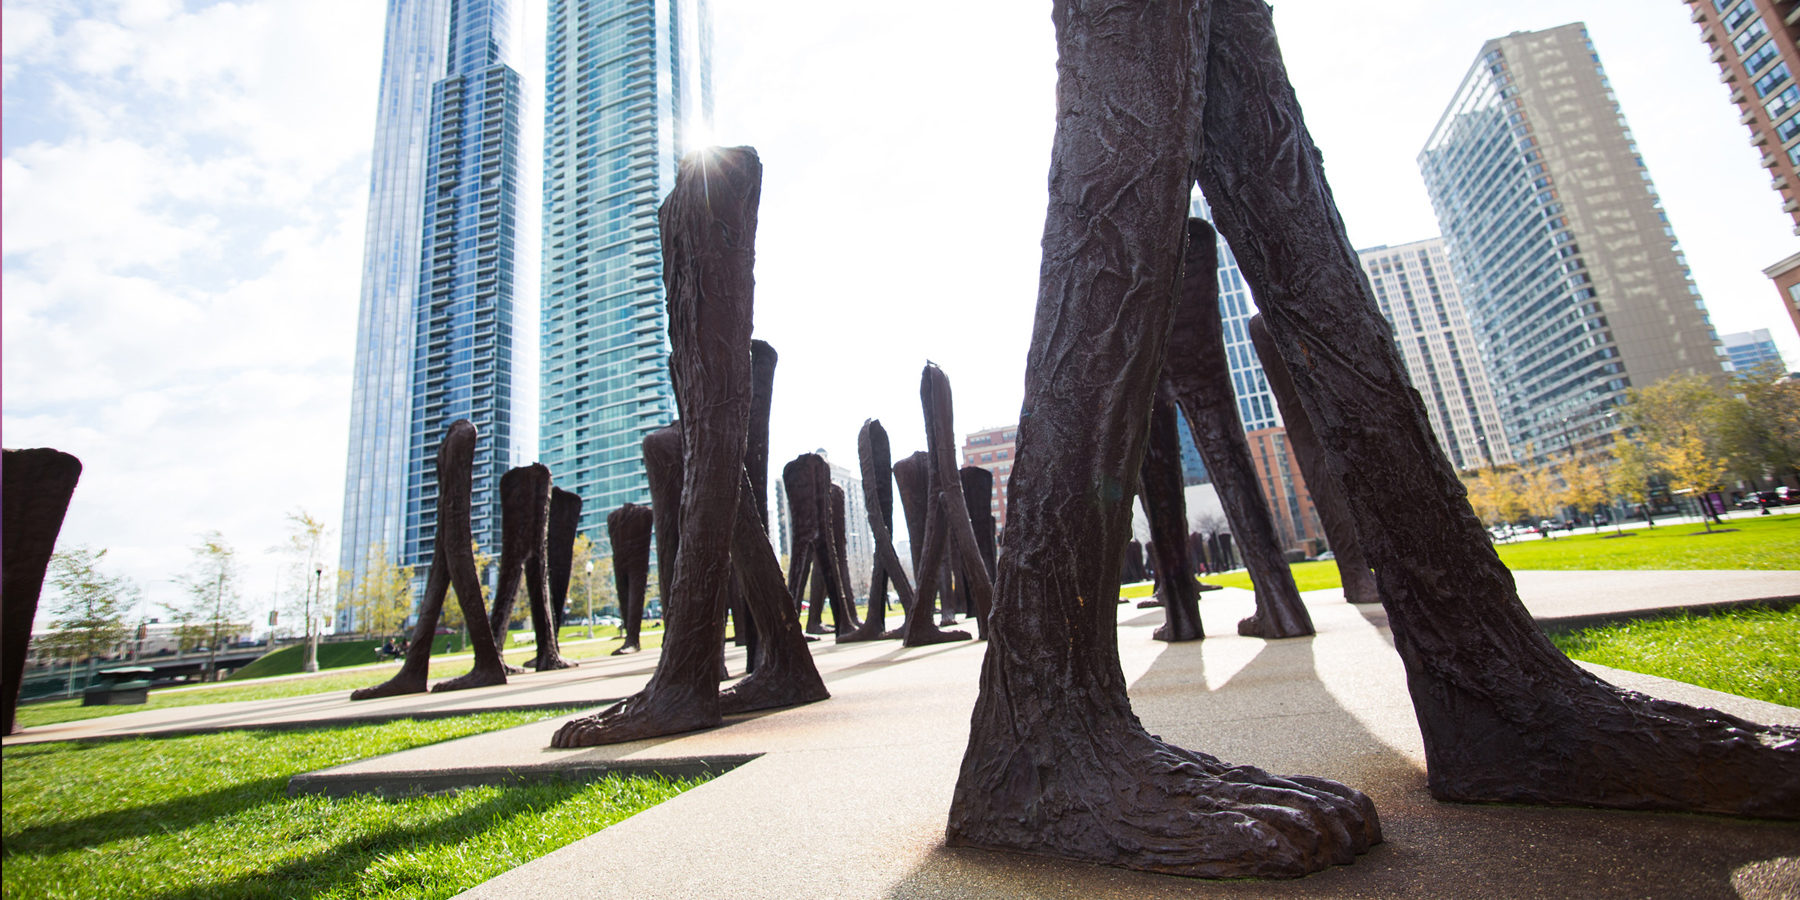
{"type": "Point", "coordinates": [213, 605]}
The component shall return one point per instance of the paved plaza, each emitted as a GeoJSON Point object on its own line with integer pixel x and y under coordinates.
{"type": "Point", "coordinates": [848, 798]}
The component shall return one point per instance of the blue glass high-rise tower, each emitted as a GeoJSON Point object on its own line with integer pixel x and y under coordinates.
{"type": "Point", "coordinates": [434, 336]}
{"type": "Point", "coordinates": [381, 392]}
{"type": "Point", "coordinates": [463, 311]}
{"type": "Point", "coordinates": [626, 82]}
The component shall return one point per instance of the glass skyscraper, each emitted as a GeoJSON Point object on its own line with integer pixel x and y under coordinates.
{"type": "Point", "coordinates": [434, 337]}
{"type": "Point", "coordinates": [463, 319]}
{"type": "Point", "coordinates": [626, 84]}
{"type": "Point", "coordinates": [381, 392]}
{"type": "Point", "coordinates": [1569, 268]}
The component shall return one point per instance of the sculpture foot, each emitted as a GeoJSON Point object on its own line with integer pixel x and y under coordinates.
{"type": "Point", "coordinates": [1149, 604]}
{"type": "Point", "coordinates": [627, 649]}
{"type": "Point", "coordinates": [512, 669]}
{"type": "Point", "coordinates": [1167, 632]}
{"type": "Point", "coordinates": [769, 689]}
{"type": "Point", "coordinates": [1152, 806]}
{"type": "Point", "coordinates": [1203, 586]}
{"type": "Point", "coordinates": [552, 664]}
{"type": "Point", "coordinates": [1254, 626]}
{"type": "Point", "coordinates": [396, 686]}
{"type": "Point", "coordinates": [632, 719]}
{"type": "Point", "coordinates": [894, 635]}
{"type": "Point", "coordinates": [476, 678]}
{"type": "Point", "coordinates": [817, 629]}
{"type": "Point", "coordinates": [934, 636]}
{"type": "Point", "coordinates": [1660, 755]}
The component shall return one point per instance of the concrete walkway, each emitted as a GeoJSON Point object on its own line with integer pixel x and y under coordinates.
{"type": "Point", "coordinates": [847, 798]}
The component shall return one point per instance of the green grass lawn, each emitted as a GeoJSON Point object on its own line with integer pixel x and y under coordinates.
{"type": "Point", "coordinates": [1759, 542]}
{"type": "Point", "coordinates": [208, 816]}
{"type": "Point", "coordinates": [49, 713]}
{"type": "Point", "coordinates": [1752, 653]}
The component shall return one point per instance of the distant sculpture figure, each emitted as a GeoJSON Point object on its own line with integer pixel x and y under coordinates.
{"type": "Point", "coordinates": [628, 529]}
{"type": "Point", "coordinates": [814, 563]}
{"type": "Point", "coordinates": [1327, 491]}
{"type": "Point", "coordinates": [913, 476]}
{"type": "Point", "coordinates": [1200, 375]}
{"type": "Point", "coordinates": [1131, 571]}
{"type": "Point", "coordinates": [1505, 716]}
{"type": "Point", "coordinates": [452, 563]}
{"type": "Point", "coordinates": [663, 469]}
{"type": "Point", "coordinates": [978, 495]}
{"type": "Point", "coordinates": [1057, 764]}
{"type": "Point", "coordinates": [756, 462]}
{"type": "Point", "coordinates": [525, 555]}
{"type": "Point", "coordinates": [708, 233]}
{"type": "Point", "coordinates": [949, 536]}
{"type": "Point", "coordinates": [1159, 486]}
{"type": "Point", "coordinates": [846, 618]}
{"type": "Point", "coordinates": [878, 500]}
{"type": "Point", "coordinates": [35, 487]}
{"type": "Point", "coordinates": [565, 522]}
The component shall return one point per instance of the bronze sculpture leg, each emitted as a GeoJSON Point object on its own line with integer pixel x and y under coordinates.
{"type": "Point", "coordinates": [455, 465]}
{"type": "Point", "coordinates": [1166, 507]}
{"type": "Point", "coordinates": [1326, 489]}
{"type": "Point", "coordinates": [1201, 378]}
{"type": "Point", "coordinates": [565, 522]}
{"type": "Point", "coordinates": [709, 233]}
{"type": "Point", "coordinates": [1504, 715]}
{"type": "Point", "coordinates": [1057, 764]}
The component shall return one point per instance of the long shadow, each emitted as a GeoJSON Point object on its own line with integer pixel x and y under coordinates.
{"type": "Point", "coordinates": [1273, 713]}
{"type": "Point", "coordinates": [329, 870]}
{"type": "Point", "coordinates": [141, 821]}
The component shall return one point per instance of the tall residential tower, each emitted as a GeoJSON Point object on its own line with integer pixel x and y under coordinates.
{"type": "Point", "coordinates": [1418, 297]}
{"type": "Point", "coordinates": [628, 88]}
{"type": "Point", "coordinates": [463, 311]}
{"type": "Point", "coordinates": [1569, 269]}
{"type": "Point", "coordinates": [381, 388]}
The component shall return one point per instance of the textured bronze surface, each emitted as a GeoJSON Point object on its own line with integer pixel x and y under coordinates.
{"type": "Point", "coordinates": [1504, 715]}
{"type": "Point", "coordinates": [1327, 492]}
{"type": "Point", "coordinates": [33, 500]}
{"type": "Point", "coordinates": [1056, 763]}
{"type": "Point", "coordinates": [709, 247]}
{"type": "Point", "coordinates": [1200, 374]}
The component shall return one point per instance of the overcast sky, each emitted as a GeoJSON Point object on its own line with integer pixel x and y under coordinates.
{"type": "Point", "coordinates": [185, 185]}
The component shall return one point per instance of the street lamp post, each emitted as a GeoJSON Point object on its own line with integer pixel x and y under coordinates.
{"type": "Point", "coordinates": [311, 663]}
{"type": "Point", "coordinates": [589, 581]}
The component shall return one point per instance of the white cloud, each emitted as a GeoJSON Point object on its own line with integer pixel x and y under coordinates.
{"type": "Point", "coordinates": [182, 237]}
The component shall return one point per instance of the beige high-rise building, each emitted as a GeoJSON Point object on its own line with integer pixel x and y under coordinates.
{"type": "Point", "coordinates": [1417, 294]}
{"type": "Point", "coordinates": [1575, 285]}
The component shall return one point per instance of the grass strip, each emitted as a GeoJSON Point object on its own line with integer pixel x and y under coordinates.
{"type": "Point", "coordinates": [1758, 543]}
{"type": "Point", "coordinates": [208, 816]}
{"type": "Point", "coordinates": [52, 712]}
{"type": "Point", "coordinates": [1749, 652]}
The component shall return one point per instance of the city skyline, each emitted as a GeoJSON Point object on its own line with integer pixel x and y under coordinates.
{"type": "Point", "coordinates": [189, 217]}
{"type": "Point", "coordinates": [1569, 266]}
